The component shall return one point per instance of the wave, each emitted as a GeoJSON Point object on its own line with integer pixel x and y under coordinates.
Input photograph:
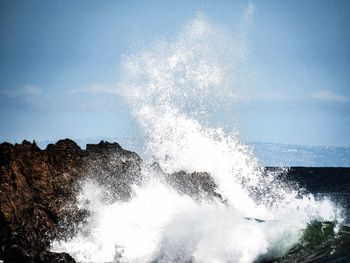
{"type": "Point", "coordinates": [173, 89]}
{"type": "Point", "coordinates": [321, 242]}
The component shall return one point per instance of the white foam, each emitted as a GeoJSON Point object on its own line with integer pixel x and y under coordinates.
{"type": "Point", "coordinates": [158, 223]}
{"type": "Point", "coordinates": [171, 89]}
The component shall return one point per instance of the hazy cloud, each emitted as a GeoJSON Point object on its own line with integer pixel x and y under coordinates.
{"type": "Point", "coordinates": [249, 12]}
{"type": "Point", "coordinates": [266, 96]}
{"type": "Point", "coordinates": [98, 89]}
{"type": "Point", "coordinates": [27, 90]}
{"type": "Point", "coordinates": [103, 88]}
{"type": "Point", "coordinates": [330, 96]}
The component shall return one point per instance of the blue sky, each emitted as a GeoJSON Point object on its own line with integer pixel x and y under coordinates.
{"type": "Point", "coordinates": [297, 70]}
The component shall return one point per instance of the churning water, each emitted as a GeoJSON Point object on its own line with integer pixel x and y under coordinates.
{"type": "Point", "coordinates": [172, 88]}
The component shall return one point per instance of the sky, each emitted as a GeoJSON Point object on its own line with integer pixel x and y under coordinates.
{"type": "Point", "coordinates": [56, 55]}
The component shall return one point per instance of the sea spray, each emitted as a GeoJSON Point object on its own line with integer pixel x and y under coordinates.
{"type": "Point", "coordinates": [172, 90]}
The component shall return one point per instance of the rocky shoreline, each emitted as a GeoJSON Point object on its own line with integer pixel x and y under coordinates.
{"type": "Point", "coordinates": [38, 191]}
{"type": "Point", "coordinates": [39, 188]}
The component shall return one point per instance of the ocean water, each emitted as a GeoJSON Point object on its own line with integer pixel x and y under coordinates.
{"type": "Point", "coordinates": [322, 241]}
{"type": "Point", "coordinates": [331, 182]}
{"type": "Point", "coordinates": [277, 154]}
{"type": "Point", "coordinates": [172, 89]}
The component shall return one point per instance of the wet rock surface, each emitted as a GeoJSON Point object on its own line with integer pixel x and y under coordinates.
{"type": "Point", "coordinates": [38, 191]}
{"type": "Point", "coordinates": [197, 185]}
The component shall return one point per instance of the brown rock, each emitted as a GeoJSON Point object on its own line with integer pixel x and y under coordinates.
{"type": "Point", "coordinates": [38, 192]}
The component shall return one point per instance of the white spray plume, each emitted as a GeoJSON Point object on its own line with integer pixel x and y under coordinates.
{"type": "Point", "coordinates": [170, 89]}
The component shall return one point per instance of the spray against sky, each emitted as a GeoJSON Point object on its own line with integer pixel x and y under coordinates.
{"type": "Point", "coordinates": [59, 59]}
{"type": "Point", "coordinates": [161, 224]}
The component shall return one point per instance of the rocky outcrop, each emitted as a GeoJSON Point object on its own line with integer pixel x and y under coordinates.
{"type": "Point", "coordinates": [38, 192]}
{"type": "Point", "coordinates": [196, 184]}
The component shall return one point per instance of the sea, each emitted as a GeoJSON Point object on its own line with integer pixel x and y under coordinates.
{"type": "Point", "coordinates": [323, 244]}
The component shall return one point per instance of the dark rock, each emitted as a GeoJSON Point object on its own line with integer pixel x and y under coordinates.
{"type": "Point", "coordinates": [38, 192]}
{"type": "Point", "coordinates": [114, 168]}
{"type": "Point", "coordinates": [196, 184]}
{"type": "Point", "coordinates": [48, 256]}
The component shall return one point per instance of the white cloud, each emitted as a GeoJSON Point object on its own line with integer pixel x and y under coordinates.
{"type": "Point", "coordinates": [330, 96]}
{"type": "Point", "coordinates": [249, 12]}
{"type": "Point", "coordinates": [254, 96]}
{"type": "Point", "coordinates": [27, 90]}
{"type": "Point", "coordinates": [30, 90]}
{"type": "Point", "coordinates": [99, 89]}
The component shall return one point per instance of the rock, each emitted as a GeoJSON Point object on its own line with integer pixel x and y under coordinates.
{"type": "Point", "coordinates": [197, 184]}
{"type": "Point", "coordinates": [38, 192]}
{"type": "Point", "coordinates": [114, 168]}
